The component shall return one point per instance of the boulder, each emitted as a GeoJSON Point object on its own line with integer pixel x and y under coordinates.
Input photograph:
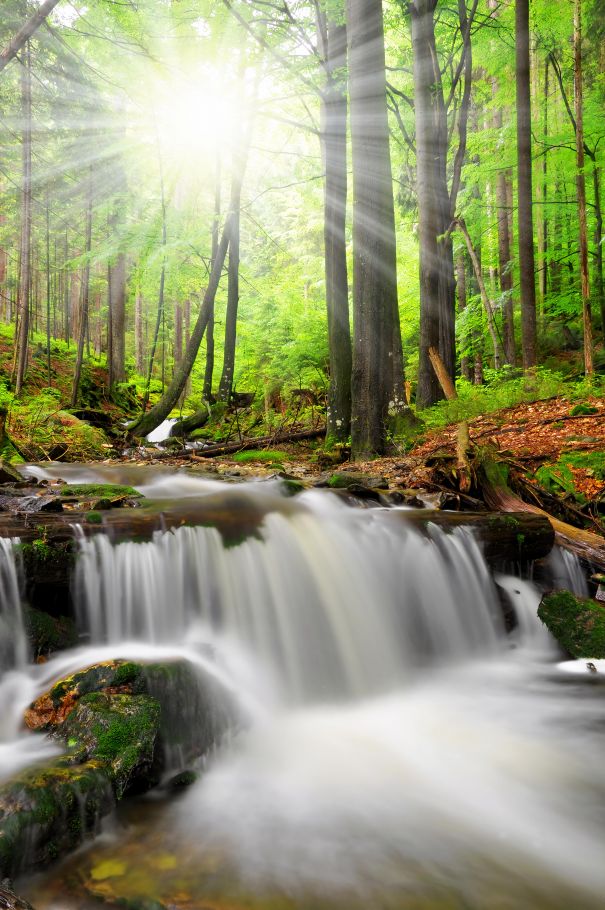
{"type": "Point", "coordinates": [124, 725]}
{"type": "Point", "coordinates": [9, 474]}
{"type": "Point", "coordinates": [577, 623]}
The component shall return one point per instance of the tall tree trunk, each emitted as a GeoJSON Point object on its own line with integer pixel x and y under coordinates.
{"type": "Point", "coordinates": [333, 41]}
{"type": "Point", "coordinates": [138, 332]}
{"type": "Point", "coordinates": [48, 290]}
{"type": "Point", "coordinates": [598, 244]}
{"type": "Point", "coordinates": [209, 370]}
{"type": "Point", "coordinates": [118, 319]}
{"type": "Point", "coordinates": [465, 360]}
{"type": "Point", "coordinates": [374, 251]}
{"type": "Point", "coordinates": [437, 283]}
{"type": "Point", "coordinates": [524, 183]}
{"type": "Point", "coordinates": [505, 268]}
{"type": "Point", "coordinates": [240, 162]}
{"type": "Point", "coordinates": [84, 291]}
{"type": "Point", "coordinates": [581, 189]}
{"type": "Point", "coordinates": [23, 304]}
{"type": "Point", "coordinates": [226, 383]}
{"type": "Point", "coordinates": [160, 411]}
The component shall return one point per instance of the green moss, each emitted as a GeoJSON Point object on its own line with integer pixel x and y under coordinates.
{"type": "Point", "coordinates": [47, 633]}
{"type": "Point", "coordinates": [100, 490]}
{"type": "Point", "coordinates": [94, 518]}
{"type": "Point", "coordinates": [582, 409]}
{"type": "Point", "coordinates": [577, 624]}
{"type": "Point", "coordinates": [256, 455]}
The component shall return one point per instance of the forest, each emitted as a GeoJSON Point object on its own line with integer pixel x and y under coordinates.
{"type": "Point", "coordinates": [210, 199]}
{"type": "Point", "coordinates": [302, 454]}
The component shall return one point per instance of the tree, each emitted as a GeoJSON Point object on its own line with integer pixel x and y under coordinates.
{"type": "Point", "coordinates": [333, 47]}
{"type": "Point", "coordinates": [438, 196]}
{"type": "Point", "coordinates": [524, 187]}
{"type": "Point", "coordinates": [581, 189]}
{"type": "Point", "coordinates": [375, 314]}
{"type": "Point", "coordinates": [26, 32]}
{"type": "Point", "coordinates": [23, 307]}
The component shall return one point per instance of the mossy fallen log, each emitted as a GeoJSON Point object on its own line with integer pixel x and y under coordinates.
{"type": "Point", "coordinates": [577, 623]}
{"type": "Point", "coordinates": [498, 495]}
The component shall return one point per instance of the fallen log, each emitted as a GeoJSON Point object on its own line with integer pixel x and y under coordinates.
{"type": "Point", "coordinates": [188, 424]}
{"type": "Point", "coordinates": [257, 443]}
{"type": "Point", "coordinates": [586, 545]}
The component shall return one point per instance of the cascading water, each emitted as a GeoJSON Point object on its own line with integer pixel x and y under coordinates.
{"type": "Point", "coordinates": [16, 685]}
{"type": "Point", "coordinates": [328, 601]}
{"type": "Point", "coordinates": [399, 752]}
{"type": "Point", "coordinates": [13, 640]}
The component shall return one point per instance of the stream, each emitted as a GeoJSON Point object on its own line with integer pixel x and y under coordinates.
{"type": "Point", "coordinates": [399, 748]}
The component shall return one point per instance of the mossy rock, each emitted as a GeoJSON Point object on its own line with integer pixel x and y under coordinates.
{"type": "Point", "coordinates": [93, 491]}
{"type": "Point", "coordinates": [46, 812]}
{"type": "Point", "coordinates": [48, 634]}
{"type": "Point", "coordinates": [577, 623]}
{"type": "Point", "coordinates": [123, 723]}
{"type": "Point", "coordinates": [119, 731]}
{"type": "Point", "coordinates": [344, 480]}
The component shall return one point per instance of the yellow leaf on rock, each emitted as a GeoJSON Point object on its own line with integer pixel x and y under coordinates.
{"type": "Point", "coordinates": [110, 868]}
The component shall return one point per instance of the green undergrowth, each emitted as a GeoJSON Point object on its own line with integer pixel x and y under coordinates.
{"type": "Point", "coordinates": [504, 389]}
{"type": "Point", "coordinates": [558, 478]}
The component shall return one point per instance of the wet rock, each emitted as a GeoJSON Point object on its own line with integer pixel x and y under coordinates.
{"type": "Point", "coordinates": [577, 623]}
{"type": "Point", "coordinates": [30, 504]}
{"type": "Point", "coordinates": [119, 731]}
{"type": "Point", "coordinates": [182, 780]}
{"type": "Point", "coordinates": [9, 474]}
{"type": "Point", "coordinates": [9, 900]}
{"type": "Point", "coordinates": [124, 724]}
{"type": "Point", "coordinates": [344, 480]}
{"type": "Point", "coordinates": [48, 634]}
{"type": "Point", "coordinates": [46, 812]}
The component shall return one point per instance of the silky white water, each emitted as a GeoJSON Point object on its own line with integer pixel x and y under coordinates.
{"type": "Point", "coordinates": [398, 743]}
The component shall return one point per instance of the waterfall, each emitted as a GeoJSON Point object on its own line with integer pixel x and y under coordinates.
{"type": "Point", "coordinates": [13, 640]}
{"type": "Point", "coordinates": [328, 601]}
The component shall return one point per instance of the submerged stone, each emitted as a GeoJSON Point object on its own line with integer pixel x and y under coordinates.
{"type": "Point", "coordinates": [577, 623]}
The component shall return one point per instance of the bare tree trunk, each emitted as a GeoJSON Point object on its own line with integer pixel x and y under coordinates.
{"type": "Point", "coordinates": [226, 383]}
{"type": "Point", "coordinates": [524, 177]}
{"type": "Point", "coordinates": [374, 252]}
{"type": "Point", "coordinates": [138, 332]}
{"type": "Point", "coordinates": [160, 311]}
{"type": "Point", "coordinates": [48, 289]}
{"type": "Point", "coordinates": [505, 268]}
{"type": "Point", "coordinates": [25, 33]}
{"type": "Point", "coordinates": [23, 304]}
{"type": "Point", "coordinates": [465, 364]}
{"type": "Point", "coordinates": [83, 320]}
{"type": "Point", "coordinates": [581, 189]}
{"type": "Point", "coordinates": [487, 303]}
{"type": "Point", "coordinates": [333, 42]}
{"type": "Point", "coordinates": [598, 244]}
{"type": "Point", "coordinates": [209, 370]}
{"type": "Point", "coordinates": [118, 319]}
